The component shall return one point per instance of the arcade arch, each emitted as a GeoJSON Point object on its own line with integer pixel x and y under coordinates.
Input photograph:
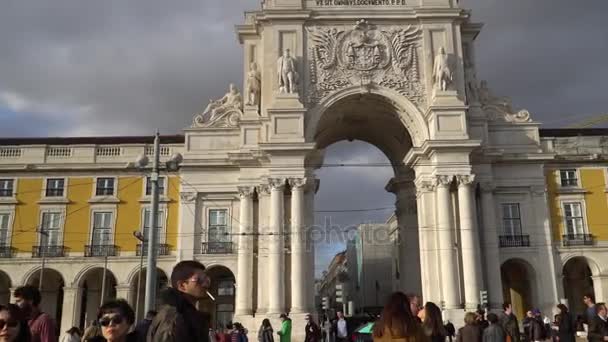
{"type": "Point", "coordinates": [90, 285]}
{"type": "Point", "coordinates": [222, 288]}
{"type": "Point", "coordinates": [137, 299]}
{"type": "Point", "coordinates": [5, 288]}
{"type": "Point", "coordinates": [518, 281]}
{"type": "Point", "coordinates": [52, 291]}
{"type": "Point", "coordinates": [577, 282]}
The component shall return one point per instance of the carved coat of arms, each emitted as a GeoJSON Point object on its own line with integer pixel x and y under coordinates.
{"type": "Point", "coordinates": [364, 55]}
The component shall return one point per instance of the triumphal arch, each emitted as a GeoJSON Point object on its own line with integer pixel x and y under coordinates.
{"type": "Point", "coordinates": [399, 74]}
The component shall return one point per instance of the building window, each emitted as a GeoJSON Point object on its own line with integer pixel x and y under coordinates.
{"type": "Point", "coordinates": [511, 219]}
{"type": "Point", "coordinates": [4, 218]}
{"type": "Point", "coordinates": [6, 187]}
{"type": "Point", "coordinates": [55, 187]}
{"type": "Point", "coordinates": [225, 288]}
{"type": "Point", "coordinates": [573, 217]}
{"type": "Point", "coordinates": [568, 177]}
{"type": "Point", "coordinates": [161, 186]}
{"type": "Point", "coordinates": [105, 187]}
{"type": "Point", "coordinates": [148, 224]}
{"type": "Point", "coordinates": [50, 230]}
{"type": "Point", "coordinates": [102, 228]}
{"type": "Point", "coordinates": [218, 226]}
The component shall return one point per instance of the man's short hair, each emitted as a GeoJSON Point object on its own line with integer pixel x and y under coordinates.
{"type": "Point", "coordinates": [28, 292]}
{"type": "Point", "coordinates": [119, 306]}
{"type": "Point", "coordinates": [590, 296]}
{"type": "Point", "coordinates": [506, 305]}
{"type": "Point", "coordinates": [184, 270]}
{"type": "Point", "coordinates": [492, 318]}
{"type": "Point", "coordinates": [151, 314]}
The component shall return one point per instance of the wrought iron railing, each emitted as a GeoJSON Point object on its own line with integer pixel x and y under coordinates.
{"type": "Point", "coordinates": [100, 250]}
{"type": "Point", "coordinates": [577, 240]}
{"type": "Point", "coordinates": [507, 241]}
{"type": "Point", "coordinates": [48, 251]}
{"type": "Point", "coordinates": [217, 248]}
{"type": "Point", "coordinates": [6, 251]}
{"type": "Point", "coordinates": [163, 249]}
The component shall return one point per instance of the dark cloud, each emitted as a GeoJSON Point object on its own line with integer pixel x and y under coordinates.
{"type": "Point", "coordinates": [71, 67]}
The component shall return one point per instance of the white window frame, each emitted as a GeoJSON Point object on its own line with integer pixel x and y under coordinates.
{"type": "Point", "coordinates": [164, 220]}
{"type": "Point", "coordinates": [95, 186]}
{"type": "Point", "coordinates": [504, 219]}
{"type": "Point", "coordinates": [65, 188]}
{"type": "Point", "coordinates": [576, 173]}
{"type": "Point", "coordinates": [162, 193]}
{"type": "Point", "coordinates": [62, 213]}
{"type": "Point", "coordinates": [228, 223]}
{"type": "Point", "coordinates": [565, 202]}
{"type": "Point", "coordinates": [11, 222]}
{"type": "Point", "coordinates": [13, 190]}
{"type": "Point", "coordinates": [103, 209]}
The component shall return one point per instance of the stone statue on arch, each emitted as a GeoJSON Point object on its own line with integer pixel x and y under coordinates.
{"type": "Point", "coordinates": [287, 73]}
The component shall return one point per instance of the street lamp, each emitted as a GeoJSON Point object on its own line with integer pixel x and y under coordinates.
{"type": "Point", "coordinates": [139, 236]}
{"type": "Point", "coordinates": [171, 165]}
{"type": "Point", "coordinates": [42, 253]}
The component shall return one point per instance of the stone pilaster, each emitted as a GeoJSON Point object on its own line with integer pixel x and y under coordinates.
{"type": "Point", "coordinates": [244, 281]}
{"type": "Point", "coordinates": [298, 245]}
{"type": "Point", "coordinates": [471, 268]}
{"type": "Point", "coordinates": [447, 249]}
{"type": "Point", "coordinates": [276, 258]}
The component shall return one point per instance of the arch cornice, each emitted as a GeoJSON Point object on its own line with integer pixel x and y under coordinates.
{"type": "Point", "coordinates": [83, 273]}
{"type": "Point", "coordinates": [29, 274]}
{"type": "Point", "coordinates": [596, 270]}
{"type": "Point", "coordinates": [409, 114]}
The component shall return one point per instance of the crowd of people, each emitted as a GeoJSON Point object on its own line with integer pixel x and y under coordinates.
{"type": "Point", "coordinates": [403, 319]}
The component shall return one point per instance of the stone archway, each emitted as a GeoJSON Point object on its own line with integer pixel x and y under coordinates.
{"type": "Point", "coordinates": [137, 298]}
{"type": "Point", "coordinates": [5, 288]}
{"type": "Point", "coordinates": [52, 291]}
{"type": "Point", "coordinates": [222, 288]}
{"type": "Point", "coordinates": [518, 279]}
{"type": "Point", "coordinates": [90, 285]}
{"type": "Point", "coordinates": [577, 282]}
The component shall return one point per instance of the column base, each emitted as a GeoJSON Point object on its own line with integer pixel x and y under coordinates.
{"type": "Point", "coordinates": [455, 316]}
{"type": "Point", "coordinates": [296, 311]}
{"type": "Point", "coordinates": [471, 306]}
{"type": "Point", "coordinates": [245, 312]}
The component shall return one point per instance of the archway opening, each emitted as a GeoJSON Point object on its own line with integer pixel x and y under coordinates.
{"type": "Point", "coordinates": [517, 279]}
{"type": "Point", "coordinates": [5, 288]}
{"type": "Point", "coordinates": [90, 285]}
{"type": "Point", "coordinates": [222, 289]}
{"type": "Point", "coordinates": [577, 283]}
{"type": "Point", "coordinates": [365, 202]}
{"type": "Point", "coordinates": [51, 292]}
{"type": "Point", "coordinates": [138, 294]}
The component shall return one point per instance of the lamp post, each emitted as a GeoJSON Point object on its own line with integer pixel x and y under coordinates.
{"type": "Point", "coordinates": [103, 278]}
{"type": "Point", "coordinates": [43, 255]}
{"type": "Point", "coordinates": [172, 164]}
{"type": "Point", "coordinates": [139, 236]}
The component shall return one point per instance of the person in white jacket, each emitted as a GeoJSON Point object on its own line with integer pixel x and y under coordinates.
{"type": "Point", "coordinates": [72, 335]}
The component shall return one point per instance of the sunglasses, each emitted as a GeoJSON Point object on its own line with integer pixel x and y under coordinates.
{"type": "Point", "coordinates": [9, 324]}
{"type": "Point", "coordinates": [200, 281]}
{"type": "Point", "coordinates": [107, 320]}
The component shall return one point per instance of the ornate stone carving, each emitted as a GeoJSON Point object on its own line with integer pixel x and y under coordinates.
{"type": "Point", "coordinates": [254, 85]}
{"type": "Point", "coordinates": [364, 55]}
{"type": "Point", "coordinates": [442, 71]}
{"type": "Point", "coordinates": [465, 179]}
{"type": "Point", "coordinates": [288, 74]}
{"type": "Point", "coordinates": [188, 197]}
{"type": "Point", "coordinates": [500, 108]}
{"type": "Point", "coordinates": [263, 189]}
{"type": "Point", "coordinates": [276, 183]}
{"type": "Point", "coordinates": [423, 187]}
{"type": "Point", "coordinates": [443, 180]}
{"type": "Point", "coordinates": [298, 182]}
{"type": "Point", "coordinates": [224, 112]}
{"type": "Point", "coordinates": [360, 2]}
{"type": "Point", "coordinates": [246, 191]}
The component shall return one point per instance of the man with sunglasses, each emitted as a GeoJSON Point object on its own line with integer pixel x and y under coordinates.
{"type": "Point", "coordinates": [178, 320]}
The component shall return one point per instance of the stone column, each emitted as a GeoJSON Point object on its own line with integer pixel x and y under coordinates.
{"type": "Point", "coordinates": [298, 246]}
{"type": "Point", "coordinates": [244, 281]}
{"type": "Point", "coordinates": [490, 232]}
{"type": "Point", "coordinates": [447, 249]}
{"type": "Point", "coordinates": [70, 315]}
{"type": "Point", "coordinates": [123, 291]}
{"type": "Point", "coordinates": [427, 240]}
{"type": "Point", "coordinates": [309, 196]}
{"type": "Point", "coordinates": [262, 260]}
{"type": "Point", "coordinates": [471, 269]}
{"type": "Point", "coordinates": [276, 258]}
{"type": "Point", "coordinates": [186, 241]}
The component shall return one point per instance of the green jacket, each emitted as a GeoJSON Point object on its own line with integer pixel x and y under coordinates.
{"type": "Point", "coordinates": [285, 332]}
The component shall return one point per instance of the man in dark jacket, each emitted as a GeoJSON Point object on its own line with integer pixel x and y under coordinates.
{"type": "Point", "coordinates": [313, 332]}
{"type": "Point", "coordinates": [178, 320]}
{"type": "Point", "coordinates": [598, 326]}
{"type": "Point", "coordinates": [509, 323]}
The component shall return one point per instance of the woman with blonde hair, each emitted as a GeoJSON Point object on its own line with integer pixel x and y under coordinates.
{"type": "Point", "coordinates": [471, 332]}
{"type": "Point", "coordinates": [397, 322]}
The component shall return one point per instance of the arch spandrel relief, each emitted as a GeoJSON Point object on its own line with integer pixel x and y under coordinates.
{"type": "Point", "coordinates": [362, 55]}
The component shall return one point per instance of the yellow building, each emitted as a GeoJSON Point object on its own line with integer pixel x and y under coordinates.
{"type": "Point", "coordinates": [70, 206]}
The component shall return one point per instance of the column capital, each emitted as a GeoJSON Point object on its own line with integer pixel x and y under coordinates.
{"type": "Point", "coordinates": [188, 197]}
{"type": "Point", "coordinates": [298, 183]}
{"type": "Point", "coordinates": [246, 191]}
{"type": "Point", "coordinates": [276, 183]}
{"type": "Point", "coordinates": [465, 180]}
{"type": "Point", "coordinates": [424, 186]}
{"type": "Point", "coordinates": [443, 180]}
{"type": "Point", "coordinates": [263, 190]}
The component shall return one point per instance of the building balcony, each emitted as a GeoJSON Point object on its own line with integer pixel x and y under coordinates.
{"type": "Point", "coordinates": [6, 251]}
{"type": "Point", "coordinates": [508, 241]}
{"type": "Point", "coordinates": [569, 240]}
{"type": "Point", "coordinates": [100, 250]}
{"type": "Point", "coordinates": [163, 249]}
{"type": "Point", "coordinates": [217, 248]}
{"type": "Point", "coordinates": [48, 251]}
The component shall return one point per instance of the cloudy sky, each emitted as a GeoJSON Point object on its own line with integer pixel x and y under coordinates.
{"type": "Point", "coordinates": [78, 67]}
